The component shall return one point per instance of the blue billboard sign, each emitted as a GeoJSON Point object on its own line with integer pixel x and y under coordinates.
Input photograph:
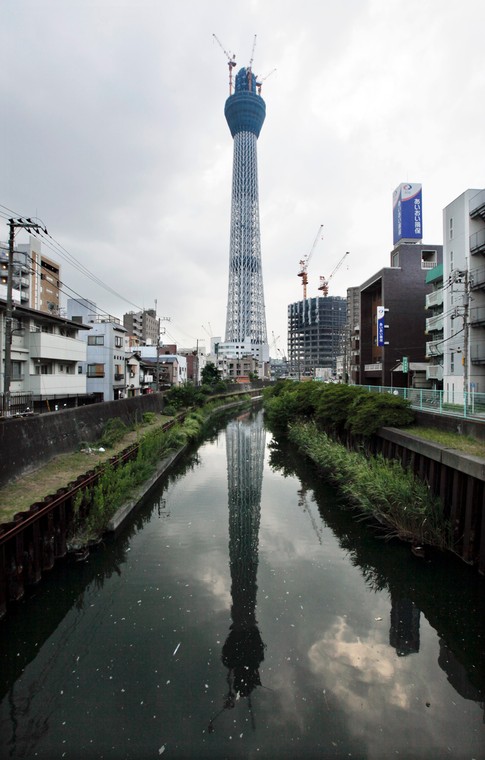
{"type": "Point", "coordinates": [380, 325]}
{"type": "Point", "coordinates": [407, 210]}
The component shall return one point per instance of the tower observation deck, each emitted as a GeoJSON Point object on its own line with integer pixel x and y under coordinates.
{"type": "Point", "coordinates": [245, 111]}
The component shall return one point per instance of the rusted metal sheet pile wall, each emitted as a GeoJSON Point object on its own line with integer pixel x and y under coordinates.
{"type": "Point", "coordinates": [458, 480]}
{"type": "Point", "coordinates": [33, 540]}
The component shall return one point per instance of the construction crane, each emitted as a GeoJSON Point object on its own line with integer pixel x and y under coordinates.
{"type": "Point", "coordinates": [252, 53]}
{"type": "Point", "coordinates": [260, 83]}
{"type": "Point", "coordinates": [324, 283]}
{"type": "Point", "coordinates": [231, 59]}
{"type": "Point", "coordinates": [303, 273]}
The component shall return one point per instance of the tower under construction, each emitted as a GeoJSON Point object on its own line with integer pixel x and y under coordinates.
{"type": "Point", "coordinates": [315, 333]}
{"type": "Point", "coordinates": [245, 111]}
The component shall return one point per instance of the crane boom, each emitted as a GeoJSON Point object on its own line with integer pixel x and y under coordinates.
{"type": "Point", "coordinates": [252, 52]}
{"type": "Point", "coordinates": [303, 273]}
{"type": "Point", "coordinates": [231, 60]}
{"type": "Point", "coordinates": [323, 280]}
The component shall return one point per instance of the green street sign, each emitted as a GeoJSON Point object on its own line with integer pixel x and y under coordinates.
{"type": "Point", "coordinates": [405, 364]}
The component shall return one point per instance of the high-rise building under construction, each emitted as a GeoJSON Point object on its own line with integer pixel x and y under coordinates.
{"type": "Point", "coordinates": [245, 111]}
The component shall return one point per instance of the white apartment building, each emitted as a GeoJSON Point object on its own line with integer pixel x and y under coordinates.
{"type": "Point", "coordinates": [47, 355]}
{"type": "Point", "coordinates": [105, 365]}
{"type": "Point", "coordinates": [464, 295]}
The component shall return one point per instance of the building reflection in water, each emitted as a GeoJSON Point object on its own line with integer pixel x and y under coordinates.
{"type": "Point", "coordinates": [404, 631]}
{"type": "Point", "coordinates": [243, 650]}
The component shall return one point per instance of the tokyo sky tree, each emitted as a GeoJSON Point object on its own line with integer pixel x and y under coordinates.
{"type": "Point", "coordinates": [245, 111]}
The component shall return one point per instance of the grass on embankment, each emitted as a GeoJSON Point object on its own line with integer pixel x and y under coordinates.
{"type": "Point", "coordinates": [377, 488]}
{"type": "Point", "coordinates": [464, 443]}
{"type": "Point", "coordinates": [18, 495]}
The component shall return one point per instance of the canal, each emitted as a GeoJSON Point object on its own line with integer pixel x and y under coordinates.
{"type": "Point", "coordinates": [243, 614]}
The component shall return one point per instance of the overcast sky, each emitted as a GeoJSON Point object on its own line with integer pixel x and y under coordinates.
{"type": "Point", "coordinates": [113, 133]}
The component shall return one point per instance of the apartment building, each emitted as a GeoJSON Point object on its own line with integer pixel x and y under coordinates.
{"type": "Point", "coordinates": [143, 326]}
{"type": "Point", "coordinates": [36, 278]}
{"type": "Point", "coordinates": [463, 346]}
{"type": "Point", "coordinates": [47, 356]}
{"type": "Point", "coordinates": [393, 316]}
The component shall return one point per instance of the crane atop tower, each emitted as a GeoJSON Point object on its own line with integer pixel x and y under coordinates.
{"type": "Point", "coordinates": [303, 273]}
{"type": "Point", "coordinates": [260, 83]}
{"type": "Point", "coordinates": [231, 59]}
{"type": "Point", "coordinates": [324, 283]}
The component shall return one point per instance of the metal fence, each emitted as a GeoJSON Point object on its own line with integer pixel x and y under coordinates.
{"type": "Point", "coordinates": [458, 403]}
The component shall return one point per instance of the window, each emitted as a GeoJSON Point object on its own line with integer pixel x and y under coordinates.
{"type": "Point", "coordinates": [43, 368]}
{"type": "Point", "coordinates": [119, 374]}
{"type": "Point", "coordinates": [95, 370]}
{"type": "Point", "coordinates": [79, 369]}
{"type": "Point", "coordinates": [17, 371]}
{"type": "Point", "coordinates": [429, 259]}
{"type": "Point", "coordinates": [95, 340]}
{"type": "Point", "coordinates": [118, 341]}
{"type": "Point", "coordinates": [452, 363]}
{"type": "Point", "coordinates": [450, 228]}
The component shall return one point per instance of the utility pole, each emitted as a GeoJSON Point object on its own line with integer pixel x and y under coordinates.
{"type": "Point", "coordinates": [14, 224]}
{"type": "Point", "coordinates": [466, 302]}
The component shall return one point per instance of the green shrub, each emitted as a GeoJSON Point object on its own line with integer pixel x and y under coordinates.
{"type": "Point", "coordinates": [113, 432]}
{"type": "Point", "coordinates": [149, 417]}
{"type": "Point", "coordinates": [371, 411]}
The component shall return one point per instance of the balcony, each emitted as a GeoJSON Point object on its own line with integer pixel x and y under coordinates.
{"type": "Point", "coordinates": [434, 372]}
{"type": "Point", "coordinates": [373, 367]}
{"type": "Point", "coordinates": [57, 347]}
{"type": "Point", "coordinates": [477, 316]}
{"type": "Point", "coordinates": [119, 376]}
{"type": "Point", "coordinates": [434, 348]}
{"type": "Point", "coordinates": [477, 353]}
{"type": "Point", "coordinates": [435, 324]}
{"type": "Point", "coordinates": [477, 278]}
{"type": "Point", "coordinates": [477, 205]}
{"type": "Point", "coordinates": [58, 384]}
{"type": "Point", "coordinates": [434, 299]}
{"type": "Point", "coordinates": [477, 242]}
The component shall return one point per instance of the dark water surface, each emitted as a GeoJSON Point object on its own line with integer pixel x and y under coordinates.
{"type": "Point", "coordinates": [243, 614]}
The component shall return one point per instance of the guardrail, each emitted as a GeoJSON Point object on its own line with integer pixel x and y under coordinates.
{"type": "Point", "coordinates": [456, 403]}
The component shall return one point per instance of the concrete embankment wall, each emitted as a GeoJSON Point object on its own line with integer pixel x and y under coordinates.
{"type": "Point", "coordinates": [27, 443]}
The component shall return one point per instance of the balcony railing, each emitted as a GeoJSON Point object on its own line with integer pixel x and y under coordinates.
{"type": "Point", "coordinates": [477, 204]}
{"type": "Point", "coordinates": [477, 315]}
{"type": "Point", "coordinates": [373, 367]}
{"type": "Point", "coordinates": [477, 353]}
{"type": "Point", "coordinates": [434, 348]}
{"type": "Point", "coordinates": [435, 324]}
{"type": "Point", "coordinates": [477, 278]}
{"type": "Point", "coordinates": [434, 372]}
{"type": "Point", "coordinates": [434, 299]}
{"type": "Point", "coordinates": [477, 242]}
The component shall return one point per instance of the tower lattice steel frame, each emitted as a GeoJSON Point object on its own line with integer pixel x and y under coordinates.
{"type": "Point", "coordinates": [245, 112]}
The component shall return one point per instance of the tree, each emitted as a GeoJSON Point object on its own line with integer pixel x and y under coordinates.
{"type": "Point", "coordinates": [210, 374]}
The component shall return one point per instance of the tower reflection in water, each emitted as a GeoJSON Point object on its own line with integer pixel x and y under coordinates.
{"type": "Point", "coordinates": [243, 650]}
